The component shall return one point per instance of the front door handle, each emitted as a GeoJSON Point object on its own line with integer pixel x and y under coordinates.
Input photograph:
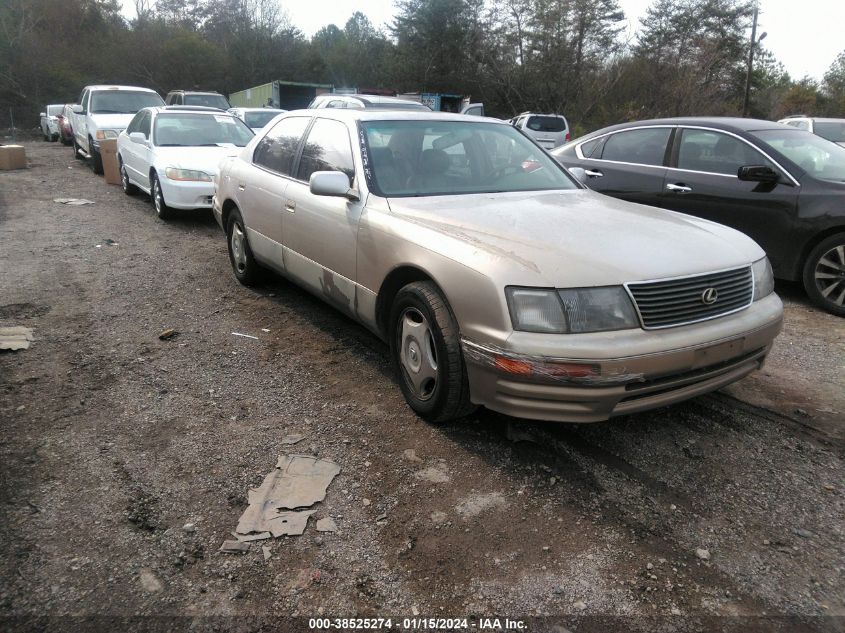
{"type": "Point", "coordinates": [593, 173]}
{"type": "Point", "coordinates": [290, 205]}
{"type": "Point", "coordinates": [678, 188]}
{"type": "Point", "coordinates": [241, 187]}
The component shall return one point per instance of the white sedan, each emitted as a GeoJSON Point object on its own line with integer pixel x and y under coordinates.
{"type": "Point", "coordinates": [256, 118]}
{"type": "Point", "coordinates": [172, 153]}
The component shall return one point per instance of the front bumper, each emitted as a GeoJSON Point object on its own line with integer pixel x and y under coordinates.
{"type": "Point", "coordinates": [719, 352]}
{"type": "Point", "coordinates": [182, 194]}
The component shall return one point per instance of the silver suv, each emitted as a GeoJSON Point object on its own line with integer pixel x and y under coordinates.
{"type": "Point", "coordinates": [549, 130]}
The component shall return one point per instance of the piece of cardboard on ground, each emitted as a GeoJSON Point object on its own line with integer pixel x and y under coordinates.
{"type": "Point", "coordinates": [298, 481]}
{"type": "Point", "coordinates": [12, 157]}
{"type": "Point", "coordinates": [15, 338]}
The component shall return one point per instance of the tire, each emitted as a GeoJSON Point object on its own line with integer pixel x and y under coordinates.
{"type": "Point", "coordinates": [425, 349]}
{"type": "Point", "coordinates": [824, 274]}
{"type": "Point", "coordinates": [96, 159]}
{"type": "Point", "coordinates": [162, 210]}
{"type": "Point", "coordinates": [244, 266]}
{"type": "Point", "coordinates": [76, 153]}
{"type": "Point", "coordinates": [128, 188]}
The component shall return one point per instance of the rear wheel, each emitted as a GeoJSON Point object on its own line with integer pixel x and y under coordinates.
{"type": "Point", "coordinates": [128, 188]}
{"type": "Point", "coordinates": [426, 351]}
{"type": "Point", "coordinates": [244, 266]}
{"type": "Point", "coordinates": [162, 210]}
{"type": "Point", "coordinates": [824, 274]}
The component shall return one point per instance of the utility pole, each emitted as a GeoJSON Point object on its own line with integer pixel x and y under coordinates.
{"type": "Point", "coordinates": [753, 44]}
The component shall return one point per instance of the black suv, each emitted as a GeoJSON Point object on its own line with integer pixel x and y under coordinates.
{"type": "Point", "coordinates": [195, 98]}
{"type": "Point", "coordinates": [782, 186]}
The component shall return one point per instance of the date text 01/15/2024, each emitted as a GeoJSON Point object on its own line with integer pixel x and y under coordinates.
{"type": "Point", "coordinates": [417, 624]}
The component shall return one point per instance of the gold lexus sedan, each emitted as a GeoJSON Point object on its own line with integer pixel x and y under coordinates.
{"type": "Point", "coordinates": [495, 277]}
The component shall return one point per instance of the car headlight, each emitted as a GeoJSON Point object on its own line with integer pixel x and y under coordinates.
{"type": "Point", "coordinates": [187, 174]}
{"type": "Point", "coordinates": [104, 134]}
{"type": "Point", "coordinates": [764, 280]}
{"type": "Point", "coordinates": [573, 311]}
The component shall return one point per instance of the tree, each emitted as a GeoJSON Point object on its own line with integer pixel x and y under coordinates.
{"type": "Point", "coordinates": [834, 86]}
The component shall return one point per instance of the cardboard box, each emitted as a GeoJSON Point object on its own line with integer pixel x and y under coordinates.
{"type": "Point", "coordinates": [108, 152]}
{"type": "Point", "coordinates": [12, 157]}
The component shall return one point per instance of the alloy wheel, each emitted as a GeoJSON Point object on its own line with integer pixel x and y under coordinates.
{"type": "Point", "coordinates": [830, 275]}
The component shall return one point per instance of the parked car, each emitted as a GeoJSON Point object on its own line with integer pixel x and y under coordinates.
{"type": "Point", "coordinates": [65, 127]}
{"type": "Point", "coordinates": [831, 129]}
{"type": "Point", "coordinates": [549, 130]}
{"type": "Point", "coordinates": [102, 113]}
{"type": "Point", "coordinates": [50, 122]}
{"type": "Point", "coordinates": [359, 102]}
{"type": "Point", "coordinates": [495, 277]}
{"type": "Point", "coordinates": [195, 98]}
{"type": "Point", "coordinates": [256, 118]}
{"type": "Point", "coordinates": [782, 186]}
{"type": "Point", "coordinates": [172, 153]}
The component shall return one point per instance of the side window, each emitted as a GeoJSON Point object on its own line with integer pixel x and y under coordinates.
{"type": "Point", "coordinates": [336, 103]}
{"type": "Point", "coordinates": [591, 147]}
{"type": "Point", "coordinates": [277, 149]}
{"type": "Point", "coordinates": [645, 146]}
{"type": "Point", "coordinates": [717, 153]}
{"type": "Point", "coordinates": [145, 124]}
{"type": "Point", "coordinates": [327, 148]}
{"type": "Point", "coordinates": [135, 123]}
{"type": "Point", "coordinates": [83, 101]}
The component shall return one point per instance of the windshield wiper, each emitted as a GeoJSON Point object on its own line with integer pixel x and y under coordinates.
{"type": "Point", "coordinates": [109, 112]}
{"type": "Point", "coordinates": [170, 145]}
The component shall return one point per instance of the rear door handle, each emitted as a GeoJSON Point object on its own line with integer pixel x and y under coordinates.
{"type": "Point", "coordinates": [290, 205]}
{"type": "Point", "coordinates": [678, 188]}
{"type": "Point", "coordinates": [592, 173]}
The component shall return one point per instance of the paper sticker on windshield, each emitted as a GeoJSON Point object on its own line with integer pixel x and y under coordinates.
{"type": "Point", "coordinates": [224, 119]}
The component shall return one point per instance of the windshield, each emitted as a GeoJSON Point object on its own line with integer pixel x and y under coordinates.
{"type": "Point", "coordinates": [122, 101]}
{"type": "Point", "coordinates": [427, 158]}
{"type": "Point", "coordinates": [198, 130]}
{"type": "Point", "coordinates": [546, 124]}
{"type": "Point", "coordinates": [209, 101]}
{"type": "Point", "coordinates": [818, 157]}
{"type": "Point", "coordinates": [260, 118]}
{"type": "Point", "coordinates": [831, 130]}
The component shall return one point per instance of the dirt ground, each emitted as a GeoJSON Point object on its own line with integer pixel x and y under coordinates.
{"type": "Point", "coordinates": [112, 440]}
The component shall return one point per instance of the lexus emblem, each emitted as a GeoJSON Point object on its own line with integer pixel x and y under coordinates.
{"type": "Point", "coordinates": [709, 296]}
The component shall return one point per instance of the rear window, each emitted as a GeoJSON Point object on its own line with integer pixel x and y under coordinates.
{"type": "Point", "coordinates": [122, 101]}
{"type": "Point", "coordinates": [260, 119]}
{"type": "Point", "coordinates": [546, 124]}
{"type": "Point", "coordinates": [54, 110]}
{"type": "Point", "coordinates": [209, 101]}
{"type": "Point", "coordinates": [831, 130]}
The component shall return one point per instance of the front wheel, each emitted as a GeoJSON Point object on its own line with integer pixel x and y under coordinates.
{"type": "Point", "coordinates": [426, 351]}
{"type": "Point", "coordinates": [162, 210]}
{"type": "Point", "coordinates": [244, 266]}
{"type": "Point", "coordinates": [96, 158]}
{"type": "Point", "coordinates": [824, 274]}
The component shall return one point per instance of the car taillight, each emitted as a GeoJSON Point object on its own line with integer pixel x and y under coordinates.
{"type": "Point", "coordinates": [566, 138]}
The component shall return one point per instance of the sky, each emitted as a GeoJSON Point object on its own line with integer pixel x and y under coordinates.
{"type": "Point", "coordinates": [805, 36]}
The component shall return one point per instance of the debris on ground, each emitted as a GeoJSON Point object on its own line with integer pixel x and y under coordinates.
{"type": "Point", "coordinates": [703, 554]}
{"type": "Point", "coordinates": [266, 551]}
{"type": "Point", "coordinates": [326, 524]}
{"type": "Point", "coordinates": [15, 338]}
{"type": "Point", "coordinates": [410, 454]}
{"type": "Point", "coordinates": [166, 335]}
{"type": "Point", "coordinates": [293, 438]}
{"type": "Point", "coordinates": [234, 547]}
{"type": "Point", "coordinates": [275, 507]}
{"type": "Point", "coordinates": [245, 335]}
{"type": "Point", "coordinates": [517, 433]}
{"type": "Point", "coordinates": [73, 202]}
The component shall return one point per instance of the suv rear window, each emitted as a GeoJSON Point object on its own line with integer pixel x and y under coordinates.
{"type": "Point", "coordinates": [122, 101]}
{"type": "Point", "coordinates": [546, 124]}
{"type": "Point", "coordinates": [209, 101]}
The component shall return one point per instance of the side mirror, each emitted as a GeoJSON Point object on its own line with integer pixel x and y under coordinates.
{"type": "Point", "coordinates": [77, 108]}
{"type": "Point", "coordinates": [42, 114]}
{"type": "Point", "coordinates": [579, 173]}
{"type": "Point", "coordinates": [331, 183]}
{"type": "Point", "coordinates": [138, 137]}
{"type": "Point", "coordinates": [757, 173]}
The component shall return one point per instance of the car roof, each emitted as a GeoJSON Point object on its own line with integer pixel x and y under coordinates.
{"type": "Point", "coordinates": [373, 100]}
{"type": "Point", "coordinates": [116, 87]}
{"type": "Point", "coordinates": [729, 124]}
{"type": "Point", "coordinates": [276, 110]}
{"type": "Point", "coordinates": [375, 114]}
{"type": "Point", "coordinates": [196, 92]}
{"type": "Point", "coordinates": [188, 109]}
